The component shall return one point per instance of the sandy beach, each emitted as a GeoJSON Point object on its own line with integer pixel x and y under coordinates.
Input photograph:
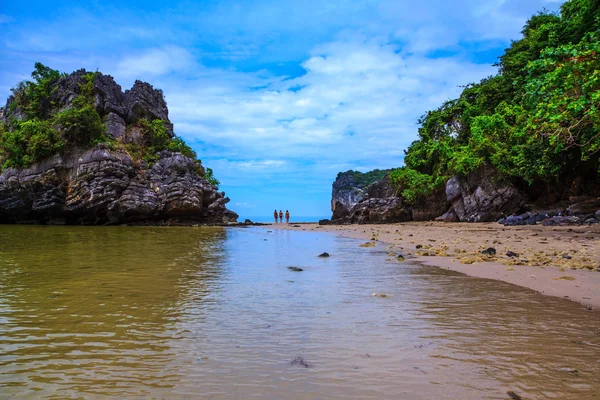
{"type": "Point", "coordinates": [556, 261]}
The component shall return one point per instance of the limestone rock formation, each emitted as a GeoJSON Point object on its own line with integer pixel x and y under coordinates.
{"type": "Point", "coordinates": [101, 184]}
{"type": "Point", "coordinates": [479, 197]}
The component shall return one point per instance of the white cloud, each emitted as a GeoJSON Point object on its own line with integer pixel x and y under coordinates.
{"type": "Point", "coordinates": [358, 100]}
{"type": "Point", "coordinates": [155, 62]}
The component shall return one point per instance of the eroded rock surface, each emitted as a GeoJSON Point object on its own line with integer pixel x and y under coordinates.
{"type": "Point", "coordinates": [100, 186]}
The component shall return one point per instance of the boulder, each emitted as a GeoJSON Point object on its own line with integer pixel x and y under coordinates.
{"type": "Point", "coordinates": [480, 197]}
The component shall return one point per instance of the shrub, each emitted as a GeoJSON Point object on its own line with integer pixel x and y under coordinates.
{"type": "Point", "coordinates": [81, 126]}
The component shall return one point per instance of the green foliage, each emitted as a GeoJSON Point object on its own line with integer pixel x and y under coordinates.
{"type": "Point", "coordinates": [34, 97]}
{"type": "Point", "coordinates": [415, 185]}
{"type": "Point", "coordinates": [537, 120]}
{"type": "Point", "coordinates": [30, 141]}
{"type": "Point", "coordinates": [210, 177]}
{"type": "Point", "coordinates": [47, 128]}
{"type": "Point", "coordinates": [366, 178]}
{"type": "Point", "coordinates": [81, 126]}
{"type": "Point", "coordinates": [563, 94]}
{"type": "Point", "coordinates": [157, 138]}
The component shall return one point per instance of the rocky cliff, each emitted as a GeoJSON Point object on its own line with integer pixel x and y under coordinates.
{"type": "Point", "coordinates": [135, 171]}
{"type": "Point", "coordinates": [349, 188]}
{"type": "Point", "coordinates": [479, 197]}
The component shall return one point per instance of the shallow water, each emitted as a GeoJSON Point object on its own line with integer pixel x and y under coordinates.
{"type": "Point", "coordinates": [210, 313]}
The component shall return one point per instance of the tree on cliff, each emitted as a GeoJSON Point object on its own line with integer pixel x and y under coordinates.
{"type": "Point", "coordinates": [536, 121]}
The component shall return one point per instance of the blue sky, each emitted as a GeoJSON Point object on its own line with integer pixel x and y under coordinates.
{"type": "Point", "coordinates": [276, 96]}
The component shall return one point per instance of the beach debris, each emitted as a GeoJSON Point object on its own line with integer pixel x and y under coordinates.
{"type": "Point", "coordinates": [381, 295]}
{"type": "Point", "coordinates": [400, 257]}
{"type": "Point", "coordinates": [419, 246]}
{"type": "Point", "coordinates": [419, 369]}
{"type": "Point", "coordinates": [323, 255]}
{"type": "Point", "coordinates": [368, 244]}
{"type": "Point", "coordinates": [295, 269]}
{"type": "Point", "coordinates": [511, 254]}
{"type": "Point", "coordinates": [566, 256]}
{"type": "Point", "coordinates": [490, 251]}
{"type": "Point", "coordinates": [513, 395]}
{"type": "Point", "coordinates": [564, 278]}
{"type": "Point", "coordinates": [301, 361]}
{"type": "Point", "coordinates": [296, 226]}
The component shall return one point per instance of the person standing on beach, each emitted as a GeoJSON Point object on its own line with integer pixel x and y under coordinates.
{"type": "Point", "coordinates": [287, 217]}
{"type": "Point", "coordinates": [275, 215]}
{"type": "Point", "coordinates": [280, 216]}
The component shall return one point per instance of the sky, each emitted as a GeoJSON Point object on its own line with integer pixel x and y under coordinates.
{"type": "Point", "coordinates": [276, 97]}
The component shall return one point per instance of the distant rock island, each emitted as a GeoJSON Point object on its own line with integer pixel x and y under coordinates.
{"type": "Point", "coordinates": [76, 149]}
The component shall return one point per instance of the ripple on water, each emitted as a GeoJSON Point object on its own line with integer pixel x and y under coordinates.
{"type": "Point", "coordinates": [189, 312]}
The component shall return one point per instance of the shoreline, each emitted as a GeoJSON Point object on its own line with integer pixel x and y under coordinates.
{"type": "Point", "coordinates": [560, 261]}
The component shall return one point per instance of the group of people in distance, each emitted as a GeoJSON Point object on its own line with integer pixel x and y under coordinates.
{"type": "Point", "coordinates": [280, 216]}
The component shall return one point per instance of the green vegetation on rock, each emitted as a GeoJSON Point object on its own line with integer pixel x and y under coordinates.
{"type": "Point", "coordinates": [40, 122]}
{"type": "Point", "coordinates": [364, 179]}
{"type": "Point", "coordinates": [536, 121]}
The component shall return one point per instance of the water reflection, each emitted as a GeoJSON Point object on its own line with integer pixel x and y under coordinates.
{"type": "Point", "coordinates": [93, 310]}
{"type": "Point", "coordinates": [195, 312]}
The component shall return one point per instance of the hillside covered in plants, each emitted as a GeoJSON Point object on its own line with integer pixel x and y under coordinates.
{"type": "Point", "coordinates": [75, 148]}
{"type": "Point", "coordinates": [527, 138]}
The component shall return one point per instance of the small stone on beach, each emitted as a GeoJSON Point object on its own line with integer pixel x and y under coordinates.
{"type": "Point", "coordinates": [490, 251]}
{"type": "Point", "coordinates": [295, 269]}
{"type": "Point", "coordinates": [323, 255]}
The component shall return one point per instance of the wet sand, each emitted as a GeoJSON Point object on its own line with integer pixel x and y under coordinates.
{"type": "Point", "coordinates": [555, 261]}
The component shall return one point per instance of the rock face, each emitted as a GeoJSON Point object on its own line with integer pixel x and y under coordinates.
{"type": "Point", "coordinates": [350, 187]}
{"type": "Point", "coordinates": [99, 186]}
{"type": "Point", "coordinates": [346, 193]}
{"type": "Point", "coordinates": [379, 205]}
{"type": "Point", "coordinates": [480, 198]}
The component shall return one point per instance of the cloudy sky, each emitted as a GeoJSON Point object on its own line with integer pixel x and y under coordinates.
{"type": "Point", "coordinates": [276, 96]}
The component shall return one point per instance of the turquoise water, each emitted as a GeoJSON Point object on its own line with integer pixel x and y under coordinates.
{"type": "Point", "coordinates": [170, 313]}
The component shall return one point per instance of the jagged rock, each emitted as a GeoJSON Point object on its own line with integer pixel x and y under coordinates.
{"type": "Point", "coordinates": [109, 97]}
{"type": "Point", "coordinates": [115, 126]}
{"type": "Point", "coordinates": [480, 198]}
{"type": "Point", "coordinates": [351, 187]}
{"type": "Point", "coordinates": [100, 186]}
{"type": "Point", "coordinates": [143, 101]}
{"type": "Point", "coordinates": [346, 193]}
{"type": "Point", "coordinates": [379, 211]}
